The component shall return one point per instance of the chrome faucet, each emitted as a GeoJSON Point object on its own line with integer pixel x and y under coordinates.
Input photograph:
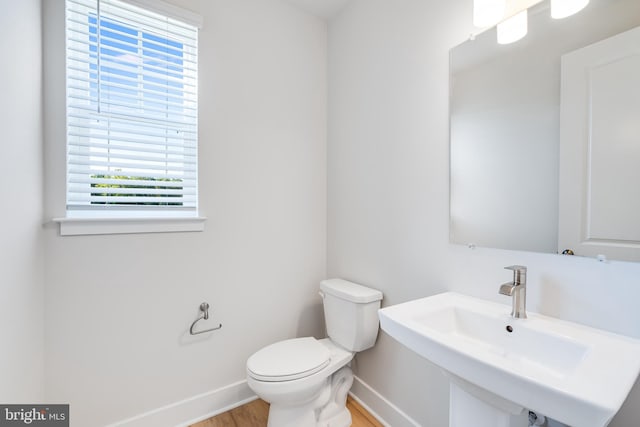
{"type": "Point", "coordinates": [518, 290]}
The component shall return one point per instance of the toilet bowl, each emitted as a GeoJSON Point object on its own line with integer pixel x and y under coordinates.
{"type": "Point", "coordinates": [306, 380]}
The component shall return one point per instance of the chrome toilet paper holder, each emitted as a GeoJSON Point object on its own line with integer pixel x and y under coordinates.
{"type": "Point", "coordinates": [204, 308]}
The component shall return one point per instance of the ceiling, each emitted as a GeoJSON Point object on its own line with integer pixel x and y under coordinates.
{"type": "Point", "coordinates": [325, 9]}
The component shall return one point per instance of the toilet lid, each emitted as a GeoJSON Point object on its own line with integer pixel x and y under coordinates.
{"type": "Point", "coordinates": [289, 360]}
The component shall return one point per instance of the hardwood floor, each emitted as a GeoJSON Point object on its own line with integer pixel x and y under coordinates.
{"type": "Point", "coordinates": [359, 416]}
{"type": "Point", "coordinates": [254, 414]}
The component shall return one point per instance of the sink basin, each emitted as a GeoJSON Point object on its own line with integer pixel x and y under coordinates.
{"type": "Point", "coordinates": [573, 373]}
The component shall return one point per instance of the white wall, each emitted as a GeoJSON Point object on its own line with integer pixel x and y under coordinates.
{"type": "Point", "coordinates": [388, 198]}
{"type": "Point", "coordinates": [119, 307]}
{"type": "Point", "coordinates": [21, 257]}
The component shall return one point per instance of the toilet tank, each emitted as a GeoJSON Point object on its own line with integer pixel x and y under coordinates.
{"type": "Point", "coordinates": [350, 313]}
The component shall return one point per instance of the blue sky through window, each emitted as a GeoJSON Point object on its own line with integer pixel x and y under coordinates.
{"type": "Point", "coordinates": [140, 72]}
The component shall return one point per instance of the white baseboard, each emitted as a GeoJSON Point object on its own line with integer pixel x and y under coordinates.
{"type": "Point", "coordinates": [386, 412]}
{"type": "Point", "coordinates": [193, 409]}
{"type": "Point", "coordinates": [206, 405]}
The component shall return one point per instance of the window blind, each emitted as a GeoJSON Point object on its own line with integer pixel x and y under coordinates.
{"type": "Point", "coordinates": [131, 110]}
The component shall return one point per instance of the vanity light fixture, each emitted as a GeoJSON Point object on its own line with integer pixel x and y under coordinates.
{"type": "Point", "coordinates": [563, 8]}
{"type": "Point", "coordinates": [487, 13]}
{"type": "Point", "coordinates": [513, 29]}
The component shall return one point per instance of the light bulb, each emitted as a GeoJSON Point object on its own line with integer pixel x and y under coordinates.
{"type": "Point", "coordinates": [563, 8]}
{"type": "Point", "coordinates": [487, 13]}
{"type": "Point", "coordinates": [513, 29]}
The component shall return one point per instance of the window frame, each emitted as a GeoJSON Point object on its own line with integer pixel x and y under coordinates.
{"type": "Point", "coordinates": [137, 218]}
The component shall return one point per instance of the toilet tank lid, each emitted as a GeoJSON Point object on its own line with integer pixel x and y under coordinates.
{"type": "Point", "coordinates": [350, 291]}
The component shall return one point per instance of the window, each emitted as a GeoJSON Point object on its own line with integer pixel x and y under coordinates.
{"type": "Point", "coordinates": [131, 112]}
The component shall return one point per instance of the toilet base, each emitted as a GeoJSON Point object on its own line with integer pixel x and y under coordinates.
{"type": "Point", "coordinates": [304, 417]}
{"type": "Point", "coordinates": [341, 419]}
{"type": "Point", "coordinates": [286, 416]}
{"type": "Point", "coordinates": [327, 410]}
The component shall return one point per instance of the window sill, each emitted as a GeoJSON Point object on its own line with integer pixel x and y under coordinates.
{"type": "Point", "coordinates": [95, 226]}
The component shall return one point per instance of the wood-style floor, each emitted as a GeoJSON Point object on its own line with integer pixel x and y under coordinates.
{"type": "Point", "coordinates": [254, 414]}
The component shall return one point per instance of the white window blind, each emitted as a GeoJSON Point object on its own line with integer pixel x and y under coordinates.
{"type": "Point", "coordinates": [131, 111]}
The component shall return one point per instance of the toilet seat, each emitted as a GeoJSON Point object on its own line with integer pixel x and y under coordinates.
{"type": "Point", "coordinates": [289, 360]}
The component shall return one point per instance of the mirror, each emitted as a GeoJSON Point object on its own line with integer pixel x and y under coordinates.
{"type": "Point", "coordinates": [536, 164]}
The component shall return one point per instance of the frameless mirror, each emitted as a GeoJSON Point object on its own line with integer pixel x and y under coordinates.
{"type": "Point", "coordinates": [545, 135]}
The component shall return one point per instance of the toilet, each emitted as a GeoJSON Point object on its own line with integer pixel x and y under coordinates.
{"type": "Point", "coordinates": [306, 380]}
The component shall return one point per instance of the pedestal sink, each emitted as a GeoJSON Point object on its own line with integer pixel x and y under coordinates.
{"type": "Point", "coordinates": [499, 365]}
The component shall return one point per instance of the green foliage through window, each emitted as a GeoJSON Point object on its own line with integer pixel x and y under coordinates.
{"type": "Point", "coordinates": [111, 190]}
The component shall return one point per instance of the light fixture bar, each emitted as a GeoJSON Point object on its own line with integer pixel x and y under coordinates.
{"type": "Point", "coordinates": [563, 8]}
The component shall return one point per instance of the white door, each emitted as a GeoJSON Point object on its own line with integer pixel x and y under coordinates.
{"type": "Point", "coordinates": [600, 149]}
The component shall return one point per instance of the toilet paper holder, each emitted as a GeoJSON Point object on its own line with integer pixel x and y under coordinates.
{"type": "Point", "coordinates": [204, 308]}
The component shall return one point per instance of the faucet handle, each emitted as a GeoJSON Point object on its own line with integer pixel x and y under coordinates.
{"type": "Point", "coordinates": [519, 273]}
